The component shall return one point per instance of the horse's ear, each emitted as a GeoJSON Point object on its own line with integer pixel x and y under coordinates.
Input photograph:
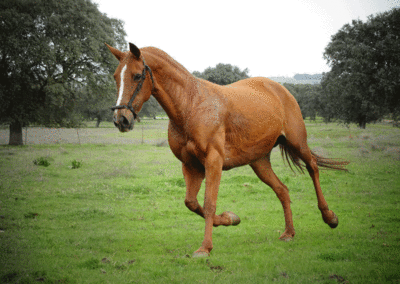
{"type": "Point", "coordinates": [135, 50]}
{"type": "Point", "coordinates": [118, 54]}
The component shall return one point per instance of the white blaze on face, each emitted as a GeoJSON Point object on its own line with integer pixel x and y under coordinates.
{"type": "Point", "coordinates": [121, 86]}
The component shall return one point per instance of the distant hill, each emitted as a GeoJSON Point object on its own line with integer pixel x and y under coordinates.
{"type": "Point", "coordinates": [308, 77]}
{"type": "Point", "coordinates": [299, 79]}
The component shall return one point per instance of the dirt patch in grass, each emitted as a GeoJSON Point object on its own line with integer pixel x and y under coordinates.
{"type": "Point", "coordinates": [394, 152]}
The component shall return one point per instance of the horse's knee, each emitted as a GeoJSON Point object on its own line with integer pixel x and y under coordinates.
{"type": "Point", "coordinates": [191, 204]}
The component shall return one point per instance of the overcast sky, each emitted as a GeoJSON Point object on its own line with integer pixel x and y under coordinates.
{"type": "Point", "coordinates": [270, 38]}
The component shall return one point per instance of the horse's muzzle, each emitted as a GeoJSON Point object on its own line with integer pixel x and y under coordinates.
{"type": "Point", "coordinates": [123, 123]}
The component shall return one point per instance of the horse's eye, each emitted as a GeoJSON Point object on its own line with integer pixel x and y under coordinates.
{"type": "Point", "coordinates": [137, 77]}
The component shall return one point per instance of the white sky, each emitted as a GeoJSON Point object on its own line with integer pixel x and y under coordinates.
{"type": "Point", "coordinates": [270, 38]}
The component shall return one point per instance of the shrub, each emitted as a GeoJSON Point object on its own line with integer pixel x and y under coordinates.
{"type": "Point", "coordinates": [76, 164]}
{"type": "Point", "coordinates": [42, 161]}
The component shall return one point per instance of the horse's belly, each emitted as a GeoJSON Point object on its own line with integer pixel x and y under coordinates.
{"type": "Point", "coordinates": [253, 142]}
{"type": "Point", "coordinates": [240, 156]}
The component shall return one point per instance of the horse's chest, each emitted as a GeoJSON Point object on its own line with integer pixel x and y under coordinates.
{"type": "Point", "coordinates": [178, 143]}
{"type": "Point", "coordinates": [183, 148]}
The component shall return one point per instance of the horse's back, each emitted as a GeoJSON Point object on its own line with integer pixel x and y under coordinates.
{"type": "Point", "coordinates": [270, 96]}
{"type": "Point", "coordinates": [270, 88]}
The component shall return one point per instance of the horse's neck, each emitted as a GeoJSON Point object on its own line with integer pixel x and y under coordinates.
{"type": "Point", "coordinates": [175, 87]}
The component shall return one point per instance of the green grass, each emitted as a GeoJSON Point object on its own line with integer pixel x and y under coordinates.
{"type": "Point", "coordinates": [120, 217]}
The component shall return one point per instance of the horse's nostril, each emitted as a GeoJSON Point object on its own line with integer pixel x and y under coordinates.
{"type": "Point", "coordinates": [124, 121]}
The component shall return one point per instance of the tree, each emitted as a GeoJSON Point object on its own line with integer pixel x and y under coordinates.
{"type": "Point", "coordinates": [222, 74]}
{"type": "Point", "coordinates": [151, 108]}
{"type": "Point", "coordinates": [49, 50]}
{"type": "Point", "coordinates": [96, 98]}
{"type": "Point", "coordinates": [364, 84]}
{"type": "Point", "coordinates": [308, 98]}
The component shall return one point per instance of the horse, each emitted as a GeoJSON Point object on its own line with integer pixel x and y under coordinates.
{"type": "Point", "coordinates": [213, 128]}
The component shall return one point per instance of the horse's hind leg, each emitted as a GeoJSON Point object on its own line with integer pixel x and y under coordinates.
{"type": "Point", "coordinates": [304, 153]}
{"type": "Point", "coordinates": [263, 170]}
{"type": "Point", "coordinates": [328, 216]}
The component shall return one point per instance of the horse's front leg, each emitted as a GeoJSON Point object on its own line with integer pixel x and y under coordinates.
{"type": "Point", "coordinates": [194, 175]}
{"type": "Point", "coordinates": [213, 170]}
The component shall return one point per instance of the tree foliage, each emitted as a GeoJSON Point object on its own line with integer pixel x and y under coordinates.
{"type": "Point", "coordinates": [95, 99]}
{"type": "Point", "coordinates": [50, 49]}
{"type": "Point", "coordinates": [151, 108]}
{"type": "Point", "coordinates": [222, 74]}
{"type": "Point", "coordinates": [308, 97]}
{"type": "Point", "coordinates": [364, 83]}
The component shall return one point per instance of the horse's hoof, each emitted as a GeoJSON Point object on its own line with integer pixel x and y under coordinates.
{"type": "Point", "coordinates": [235, 220]}
{"type": "Point", "coordinates": [334, 222]}
{"type": "Point", "coordinates": [286, 237]}
{"type": "Point", "coordinates": [200, 254]}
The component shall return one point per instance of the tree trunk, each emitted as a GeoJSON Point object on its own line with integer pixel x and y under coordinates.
{"type": "Point", "coordinates": [98, 121]}
{"type": "Point", "coordinates": [16, 133]}
{"type": "Point", "coordinates": [362, 124]}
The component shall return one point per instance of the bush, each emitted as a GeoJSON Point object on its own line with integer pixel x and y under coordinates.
{"type": "Point", "coordinates": [42, 161]}
{"type": "Point", "coordinates": [76, 164]}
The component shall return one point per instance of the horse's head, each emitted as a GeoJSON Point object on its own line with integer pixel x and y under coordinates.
{"type": "Point", "coordinates": [134, 82]}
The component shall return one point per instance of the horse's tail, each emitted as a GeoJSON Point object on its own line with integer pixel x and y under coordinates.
{"type": "Point", "coordinates": [334, 164]}
{"type": "Point", "coordinates": [292, 157]}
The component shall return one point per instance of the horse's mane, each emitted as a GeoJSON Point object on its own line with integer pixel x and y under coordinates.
{"type": "Point", "coordinates": [191, 83]}
{"type": "Point", "coordinates": [162, 55]}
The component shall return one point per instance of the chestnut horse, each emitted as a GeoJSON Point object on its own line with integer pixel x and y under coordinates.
{"type": "Point", "coordinates": [214, 128]}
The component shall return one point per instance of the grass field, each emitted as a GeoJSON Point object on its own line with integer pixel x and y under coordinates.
{"type": "Point", "coordinates": [101, 212]}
